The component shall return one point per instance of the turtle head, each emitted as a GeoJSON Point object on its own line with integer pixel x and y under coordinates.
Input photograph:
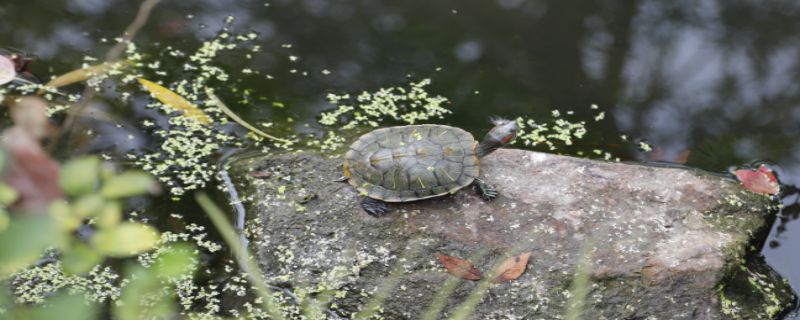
{"type": "Point", "coordinates": [503, 133]}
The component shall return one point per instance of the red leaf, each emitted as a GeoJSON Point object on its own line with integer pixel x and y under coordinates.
{"type": "Point", "coordinates": [31, 172]}
{"type": "Point", "coordinates": [7, 70]}
{"type": "Point", "coordinates": [459, 267]}
{"type": "Point", "coordinates": [762, 180]}
{"type": "Point", "coordinates": [512, 268]}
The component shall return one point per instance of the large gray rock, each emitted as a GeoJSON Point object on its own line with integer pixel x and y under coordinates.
{"type": "Point", "coordinates": [642, 241]}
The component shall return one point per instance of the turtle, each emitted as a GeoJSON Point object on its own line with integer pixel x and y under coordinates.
{"type": "Point", "coordinates": [415, 162]}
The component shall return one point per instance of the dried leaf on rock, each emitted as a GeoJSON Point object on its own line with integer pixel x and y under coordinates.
{"type": "Point", "coordinates": [512, 268]}
{"type": "Point", "coordinates": [7, 70]}
{"type": "Point", "coordinates": [762, 180]}
{"type": "Point", "coordinates": [175, 101]}
{"type": "Point", "coordinates": [459, 267]}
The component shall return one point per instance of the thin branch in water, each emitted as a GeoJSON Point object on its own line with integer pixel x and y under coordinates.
{"type": "Point", "coordinates": [240, 121]}
{"type": "Point", "coordinates": [241, 253]}
{"type": "Point", "coordinates": [111, 56]}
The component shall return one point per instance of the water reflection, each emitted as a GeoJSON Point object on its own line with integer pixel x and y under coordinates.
{"type": "Point", "coordinates": [716, 80]}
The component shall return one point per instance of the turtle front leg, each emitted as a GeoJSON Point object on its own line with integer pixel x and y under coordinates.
{"type": "Point", "coordinates": [485, 190]}
{"type": "Point", "coordinates": [374, 207]}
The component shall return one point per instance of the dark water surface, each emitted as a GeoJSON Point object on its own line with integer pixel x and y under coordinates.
{"type": "Point", "coordinates": [717, 80]}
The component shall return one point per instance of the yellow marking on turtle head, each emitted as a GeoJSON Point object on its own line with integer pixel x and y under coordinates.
{"type": "Point", "coordinates": [420, 182]}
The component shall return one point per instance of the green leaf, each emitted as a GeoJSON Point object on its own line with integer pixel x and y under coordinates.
{"type": "Point", "coordinates": [5, 219]}
{"type": "Point", "coordinates": [79, 259]}
{"type": "Point", "coordinates": [7, 194]}
{"type": "Point", "coordinates": [88, 206]}
{"type": "Point", "coordinates": [61, 212]}
{"type": "Point", "coordinates": [3, 158]}
{"type": "Point", "coordinates": [63, 307]}
{"type": "Point", "coordinates": [24, 241]}
{"type": "Point", "coordinates": [177, 260]}
{"type": "Point", "coordinates": [127, 184]}
{"type": "Point", "coordinates": [143, 297]}
{"type": "Point", "coordinates": [79, 176]}
{"type": "Point", "coordinates": [125, 239]}
{"type": "Point", "coordinates": [110, 215]}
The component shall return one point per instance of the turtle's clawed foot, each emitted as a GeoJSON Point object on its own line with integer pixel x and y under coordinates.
{"type": "Point", "coordinates": [374, 207]}
{"type": "Point", "coordinates": [485, 190]}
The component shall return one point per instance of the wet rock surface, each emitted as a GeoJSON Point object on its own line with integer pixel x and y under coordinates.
{"type": "Point", "coordinates": [654, 242]}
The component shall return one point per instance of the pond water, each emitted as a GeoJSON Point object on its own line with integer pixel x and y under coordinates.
{"type": "Point", "coordinates": [709, 84]}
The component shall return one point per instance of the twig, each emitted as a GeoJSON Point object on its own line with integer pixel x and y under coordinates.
{"type": "Point", "coordinates": [241, 253]}
{"type": "Point", "coordinates": [111, 56]}
{"type": "Point", "coordinates": [240, 121]}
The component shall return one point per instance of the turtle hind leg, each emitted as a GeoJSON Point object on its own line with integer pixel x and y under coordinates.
{"type": "Point", "coordinates": [374, 207]}
{"type": "Point", "coordinates": [485, 190]}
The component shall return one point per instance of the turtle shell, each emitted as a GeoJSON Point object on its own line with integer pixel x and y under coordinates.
{"type": "Point", "coordinates": [408, 163]}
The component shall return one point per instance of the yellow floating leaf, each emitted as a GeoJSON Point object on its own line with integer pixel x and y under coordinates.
{"type": "Point", "coordinates": [175, 101]}
{"type": "Point", "coordinates": [82, 74]}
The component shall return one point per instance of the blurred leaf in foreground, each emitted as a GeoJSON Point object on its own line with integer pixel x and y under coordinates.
{"type": "Point", "coordinates": [62, 307]}
{"type": "Point", "coordinates": [178, 259]}
{"type": "Point", "coordinates": [128, 184]}
{"type": "Point", "coordinates": [175, 101]}
{"type": "Point", "coordinates": [125, 239]}
{"type": "Point", "coordinates": [7, 70]}
{"type": "Point", "coordinates": [145, 296]}
{"type": "Point", "coordinates": [30, 114]}
{"type": "Point", "coordinates": [79, 259]}
{"type": "Point", "coordinates": [79, 176]}
{"type": "Point", "coordinates": [24, 241]}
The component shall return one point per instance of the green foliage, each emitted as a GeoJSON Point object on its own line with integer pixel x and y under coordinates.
{"type": "Point", "coordinates": [24, 241]}
{"type": "Point", "coordinates": [128, 184]}
{"type": "Point", "coordinates": [79, 258]}
{"type": "Point", "coordinates": [144, 296]}
{"type": "Point", "coordinates": [7, 194]}
{"type": "Point", "coordinates": [125, 239]}
{"type": "Point", "coordinates": [63, 307]}
{"type": "Point", "coordinates": [80, 176]}
{"type": "Point", "coordinates": [178, 261]}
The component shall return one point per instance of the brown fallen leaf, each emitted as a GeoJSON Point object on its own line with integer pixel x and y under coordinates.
{"type": "Point", "coordinates": [762, 180]}
{"type": "Point", "coordinates": [512, 267]}
{"type": "Point", "coordinates": [459, 267]}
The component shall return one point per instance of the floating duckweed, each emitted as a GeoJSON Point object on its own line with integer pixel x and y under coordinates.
{"type": "Point", "coordinates": [411, 104]}
{"type": "Point", "coordinates": [532, 133]}
{"type": "Point", "coordinates": [35, 284]}
{"type": "Point", "coordinates": [645, 147]}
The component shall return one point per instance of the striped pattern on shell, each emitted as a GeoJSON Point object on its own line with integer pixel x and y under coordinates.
{"type": "Point", "coordinates": [408, 163]}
